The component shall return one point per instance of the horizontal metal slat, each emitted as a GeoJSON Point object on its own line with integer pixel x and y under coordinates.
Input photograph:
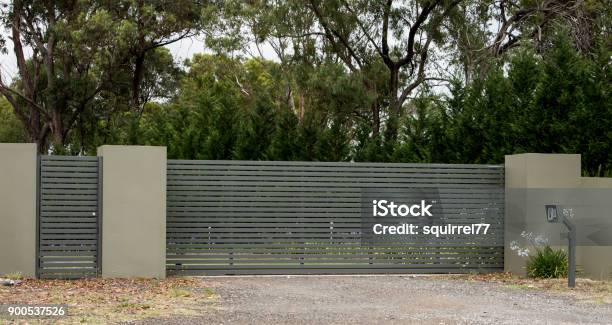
{"type": "Point", "coordinates": [49, 186]}
{"type": "Point", "coordinates": [289, 214]}
{"type": "Point", "coordinates": [93, 168]}
{"type": "Point", "coordinates": [305, 267]}
{"type": "Point", "coordinates": [339, 254]}
{"type": "Point", "coordinates": [64, 214]}
{"type": "Point", "coordinates": [176, 246]}
{"type": "Point", "coordinates": [318, 171]}
{"type": "Point", "coordinates": [323, 271]}
{"type": "Point", "coordinates": [334, 192]}
{"type": "Point", "coordinates": [63, 261]}
{"type": "Point", "coordinates": [243, 163]}
{"type": "Point", "coordinates": [384, 251]}
{"type": "Point", "coordinates": [53, 254]}
{"type": "Point", "coordinates": [319, 188]}
{"type": "Point", "coordinates": [334, 177]}
{"type": "Point", "coordinates": [47, 230]}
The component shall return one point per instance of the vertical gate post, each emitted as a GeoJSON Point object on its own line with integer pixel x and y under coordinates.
{"type": "Point", "coordinates": [100, 216]}
{"type": "Point", "coordinates": [18, 202]}
{"type": "Point", "coordinates": [134, 205]}
{"type": "Point", "coordinates": [524, 174]}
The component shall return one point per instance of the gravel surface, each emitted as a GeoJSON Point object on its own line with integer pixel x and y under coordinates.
{"type": "Point", "coordinates": [385, 299]}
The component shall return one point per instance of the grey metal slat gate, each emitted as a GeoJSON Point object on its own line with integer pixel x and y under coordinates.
{"type": "Point", "coordinates": [69, 217]}
{"type": "Point", "coordinates": [239, 217]}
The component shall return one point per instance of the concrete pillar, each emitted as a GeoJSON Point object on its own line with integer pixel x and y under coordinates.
{"type": "Point", "coordinates": [18, 202]}
{"type": "Point", "coordinates": [533, 180]}
{"type": "Point", "coordinates": [133, 211]}
{"type": "Point", "coordinates": [596, 261]}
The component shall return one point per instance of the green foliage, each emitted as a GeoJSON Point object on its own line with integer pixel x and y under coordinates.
{"type": "Point", "coordinates": [90, 66]}
{"type": "Point", "coordinates": [115, 83]}
{"type": "Point", "coordinates": [11, 129]}
{"type": "Point", "coordinates": [553, 103]}
{"type": "Point", "coordinates": [255, 133]}
{"type": "Point", "coordinates": [547, 263]}
{"type": "Point", "coordinates": [229, 108]}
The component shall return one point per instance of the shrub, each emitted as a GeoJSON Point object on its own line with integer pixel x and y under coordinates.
{"type": "Point", "coordinates": [547, 263]}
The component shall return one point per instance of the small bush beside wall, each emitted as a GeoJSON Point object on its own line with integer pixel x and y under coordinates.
{"type": "Point", "coordinates": [547, 263]}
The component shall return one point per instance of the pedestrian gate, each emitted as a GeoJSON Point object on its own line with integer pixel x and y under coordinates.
{"type": "Point", "coordinates": [237, 217]}
{"type": "Point", "coordinates": [69, 217]}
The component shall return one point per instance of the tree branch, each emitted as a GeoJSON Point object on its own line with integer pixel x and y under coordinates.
{"type": "Point", "coordinates": [362, 27]}
{"type": "Point", "coordinates": [422, 17]}
{"type": "Point", "coordinates": [385, 32]}
{"type": "Point", "coordinates": [331, 33]}
{"type": "Point", "coordinates": [420, 76]}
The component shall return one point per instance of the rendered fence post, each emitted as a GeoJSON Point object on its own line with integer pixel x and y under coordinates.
{"type": "Point", "coordinates": [531, 181]}
{"type": "Point", "coordinates": [18, 207]}
{"type": "Point", "coordinates": [134, 205]}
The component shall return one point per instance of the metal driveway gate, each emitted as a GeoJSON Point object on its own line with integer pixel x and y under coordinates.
{"type": "Point", "coordinates": [69, 217]}
{"type": "Point", "coordinates": [238, 217]}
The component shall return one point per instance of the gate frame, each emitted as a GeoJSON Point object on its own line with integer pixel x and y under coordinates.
{"type": "Point", "coordinates": [38, 210]}
{"type": "Point", "coordinates": [99, 214]}
{"type": "Point", "coordinates": [277, 269]}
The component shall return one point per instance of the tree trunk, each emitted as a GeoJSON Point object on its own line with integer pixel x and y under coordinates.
{"type": "Point", "coordinates": [33, 130]}
{"type": "Point", "coordinates": [302, 108]}
{"type": "Point", "coordinates": [375, 119]}
{"type": "Point", "coordinates": [375, 107]}
{"type": "Point", "coordinates": [137, 79]}
{"type": "Point", "coordinates": [394, 105]}
{"type": "Point", "coordinates": [57, 130]}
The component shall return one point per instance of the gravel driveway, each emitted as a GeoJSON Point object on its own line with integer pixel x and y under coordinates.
{"type": "Point", "coordinates": [386, 299]}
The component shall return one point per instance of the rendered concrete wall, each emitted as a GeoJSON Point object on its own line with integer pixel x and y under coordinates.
{"type": "Point", "coordinates": [596, 182]}
{"type": "Point", "coordinates": [533, 180]}
{"type": "Point", "coordinates": [18, 208]}
{"type": "Point", "coordinates": [596, 261]}
{"type": "Point", "coordinates": [133, 211]}
{"type": "Point", "coordinates": [523, 173]}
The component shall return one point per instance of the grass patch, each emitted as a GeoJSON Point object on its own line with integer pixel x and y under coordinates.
{"type": "Point", "coordinates": [518, 286]}
{"type": "Point", "coordinates": [586, 290]}
{"type": "Point", "coordinates": [13, 276]}
{"type": "Point", "coordinates": [103, 301]}
{"type": "Point", "coordinates": [177, 293]}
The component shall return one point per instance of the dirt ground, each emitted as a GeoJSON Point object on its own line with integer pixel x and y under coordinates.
{"type": "Point", "coordinates": [111, 301]}
{"type": "Point", "coordinates": [401, 300]}
{"type": "Point", "coordinates": [465, 299]}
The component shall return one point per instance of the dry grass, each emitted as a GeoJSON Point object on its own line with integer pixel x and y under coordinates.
{"type": "Point", "coordinates": [599, 292]}
{"type": "Point", "coordinates": [103, 301]}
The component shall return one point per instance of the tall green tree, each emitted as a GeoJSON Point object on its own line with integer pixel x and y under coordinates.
{"type": "Point", "coordinates": [551, 103]}
{"type": "Point", "coordinates": [11, 129]}
{"type": "Point", "coordinates": [83, 52]}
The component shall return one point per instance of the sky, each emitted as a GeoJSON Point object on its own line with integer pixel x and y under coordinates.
{"type": "Point", "coordinates": [181, 50]}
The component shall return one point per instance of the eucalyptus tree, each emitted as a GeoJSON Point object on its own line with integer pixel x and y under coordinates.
{"type": "Point", "coordinates": [144, 26]}
{"type": "Point", "coordinates": [73, 56]}
{"type": "Point", "coordinates": [484, 32]}
{"type": "Point", "coordinates": [400, 35]}
{"type": "Point", "coordinates": [58, 48]}
{"type": "Point", "coordinates": [420, 42]}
